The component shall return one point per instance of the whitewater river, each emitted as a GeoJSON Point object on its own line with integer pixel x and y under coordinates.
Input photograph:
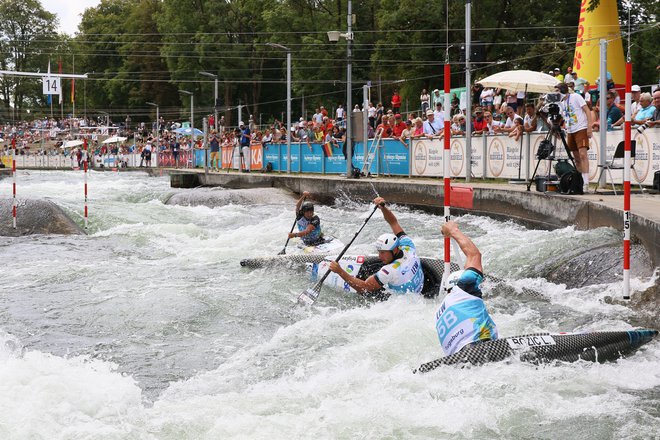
{"type": "Point", "coordinates": [148, 328]}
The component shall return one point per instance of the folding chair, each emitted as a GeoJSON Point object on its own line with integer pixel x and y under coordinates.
{"type": "Point", "coordinates": [613, 164]}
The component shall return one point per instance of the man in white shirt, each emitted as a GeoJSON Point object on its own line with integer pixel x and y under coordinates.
{"type": "Point", "coordinates": [578, 125]}
{"type": "Point", "coordinates": [439, 114]}
{"type": "Point", "coordinates": [509, 125]}
{"type": "Point", "coordinates": [431, 126]}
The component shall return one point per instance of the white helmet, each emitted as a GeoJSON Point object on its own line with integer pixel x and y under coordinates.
{"type": "Point", "coordinates": [387, 242]}
{"type": "Point", "coordinates": [452, 279]}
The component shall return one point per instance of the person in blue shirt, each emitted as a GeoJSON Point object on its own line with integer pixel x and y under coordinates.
{"type": "Point", "coordinates": [309, 225]}
{"type": "Point", "coordinates": [245, 140]}
{"type": "Point", "coordinates": [462, 318]}
{"type": "Point", "coordinates": [402, 269]}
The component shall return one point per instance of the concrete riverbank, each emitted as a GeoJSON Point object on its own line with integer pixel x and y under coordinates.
{"type": "Point", "coordinates": [500, 200]}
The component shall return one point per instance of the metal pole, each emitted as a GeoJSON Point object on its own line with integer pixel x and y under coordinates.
{"type": "Point", "coordinates": [349, 103]}
{"type": "Point", "coordinates": [603, 110]}
{"type": "Point", "coordinates": [215, 107]}
{"type": "Point", "coordinates": [86, 165]}
{"type": "Point", "coordinates": [468, 92]}
{"type": "Point", "coordinates": [13, 173]}
{"type": "Point", "coordinates": [206, 134]}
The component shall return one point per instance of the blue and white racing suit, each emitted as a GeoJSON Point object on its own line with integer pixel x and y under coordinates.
{"type": "Point", "coordinates": [404, 274]}
{"type": "Point", "coordinates": [462, 318]}
{"type": "Point", "coordinates": [314, 237]}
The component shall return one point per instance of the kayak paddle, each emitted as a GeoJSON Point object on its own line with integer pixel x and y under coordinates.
{"type": "Point", "coordinates": [310, 295]}
{"type": "Point", "coordinates": [283, 251]}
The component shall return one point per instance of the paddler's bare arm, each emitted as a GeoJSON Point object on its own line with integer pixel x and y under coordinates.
{"type": "Point", "coordinates": [307, 231]}
{"type": "Point", "coordinates": [360, 286]}
{"type": "Point", "coordinates": [472, 253]}
{"type": "Point", "coordinates": [300, 200]}
{"type": "Point", "coordinates": [388, 216]}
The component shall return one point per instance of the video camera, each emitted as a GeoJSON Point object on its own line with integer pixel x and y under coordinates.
{"type": "Point", "coordinates": [551, 107]}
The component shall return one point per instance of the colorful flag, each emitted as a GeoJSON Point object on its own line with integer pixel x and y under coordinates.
{"type": "Point", "coordinates": [327, 149]}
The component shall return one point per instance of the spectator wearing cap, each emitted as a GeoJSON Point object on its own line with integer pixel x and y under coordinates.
{"type": "Point", "coordinates": [398, 126]}
{"type": "Point", "coordinates": [454, 109]}
{"type": "Point", "coordinates": [396, 101]}
{"type": "Point", "coordinates": [558, 75]}
{"type": "Point", "coordinates": [635, 92]}
{"type": "Point", "coordinates": [436, 97]}
{"type": "Point", "coordinates": [479, 124]}
{"type": "Point", "coordinates": [439, 114]}
{"type": "Point", "coordinates": [432, 127]}
{"type": "Point", "coordinates": [425, 101]}
{"type": "Point", "coordinates": [418, 127]}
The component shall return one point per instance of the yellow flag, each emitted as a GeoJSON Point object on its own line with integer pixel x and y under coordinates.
{"type": "Point", "coordinates": [601, 23]}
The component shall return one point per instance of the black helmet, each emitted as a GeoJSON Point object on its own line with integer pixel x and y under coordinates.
{"type": "Point", "coordinates": [307, 206]}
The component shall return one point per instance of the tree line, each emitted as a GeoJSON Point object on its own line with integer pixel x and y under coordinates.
{"type": "Point", "coordinates": [138, 51]}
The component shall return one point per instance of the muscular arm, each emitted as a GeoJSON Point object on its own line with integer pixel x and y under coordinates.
{"type": "Point", "coordinates": [388, 216]}
{"type": "Point", "coordinates": [300, 201]}
{"type": "Point", "coordinates": [472, 253]}
{"type": "Point", "coordinates": [360, 286]}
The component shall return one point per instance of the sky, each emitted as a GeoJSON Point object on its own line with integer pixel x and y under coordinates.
{"type": "Point", "coordinates": [68, 12]}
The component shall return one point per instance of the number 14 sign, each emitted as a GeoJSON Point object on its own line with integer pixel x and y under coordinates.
{"type": "Point", "coordinates": [52, 85]}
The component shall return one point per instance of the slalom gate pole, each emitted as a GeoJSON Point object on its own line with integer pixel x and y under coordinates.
{"type": "Point", "coordinates": [85, 165]}
{"type": "Point", "coordinates": [626, 183]}
{"type": "Point", "coordinates": [13, 173]}
{"type": "Point", "coordinates": [446, 158]}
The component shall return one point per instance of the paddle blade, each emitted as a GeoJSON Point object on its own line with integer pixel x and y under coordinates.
{"type": "Point", "coordinates": [282, 252]}
{"type": "Point", "coordinates": [308, 297]}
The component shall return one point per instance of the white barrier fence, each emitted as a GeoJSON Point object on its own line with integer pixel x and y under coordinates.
{"type": "Point", "coordinates": [502, 156]}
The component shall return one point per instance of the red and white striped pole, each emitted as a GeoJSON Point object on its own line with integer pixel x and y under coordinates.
{"type": "Point", "coordinates": [13, 173]}
{"type": "Point", "coordinates": [626, 184]}
{"type": "Point", "coordinates": [446, 158]}
{"type": "Point", "coordinates": [85, 178]}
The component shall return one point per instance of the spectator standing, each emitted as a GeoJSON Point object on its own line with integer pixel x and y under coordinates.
{"type": "Point", "coordinates": [425, 101]}
{"type": "Point", "coordinates": [318, 117]}
{"type": "Point", "coordinates": [340, 114]}
{"type": "Point", "coordinates": [372, 115]}
{"type": "Point", "coordinates": [486, 98]}
{"type": "Point", "coordinates": [214, 144]}
{"type": "Point", "coordinates": [380, 111]}
{"type": "Point", "coordinates": [439, 114]}
{"type": "Point", "coordinates": [244, 143]}
{"type": "Point", "coordinates": [476, 94]}
{"type": "Point", "coordinates": [557, 74]}
{"type": "Point", "coordinates": [396, 102]}
{"type": "Point", "coordinates": [570, 76]}
{"type": "Point", "coordinates": [578, 124]}
{"type": "Point", "coordinates": [511, 99]}
{"type": "Point", "coordinates": [436, 97]}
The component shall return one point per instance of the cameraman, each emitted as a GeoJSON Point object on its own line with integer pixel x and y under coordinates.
{"type": "Point", "coordinates": [578, 123]}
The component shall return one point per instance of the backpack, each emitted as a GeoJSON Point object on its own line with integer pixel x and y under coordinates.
{"type": "Point", "coordinates": [571, 183]}
{"type": "Point", "coordinates": [562, 167]}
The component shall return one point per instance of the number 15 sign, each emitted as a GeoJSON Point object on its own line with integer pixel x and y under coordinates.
{"type": "Point", "coordinates": [52, 85]}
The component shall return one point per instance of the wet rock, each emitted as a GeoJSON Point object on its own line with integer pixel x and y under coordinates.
{"type": "Point", "coordinates": [213, 197]}
{"type": "Point", "coordinates": [35, 217]}
{"type": "Point", "coordinates": [646, 304]}
{"type": "Point", "coordinates": [596, 266]}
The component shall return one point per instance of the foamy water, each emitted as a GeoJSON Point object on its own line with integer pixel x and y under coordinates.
{"type": "Point", "coordinates": [148, 328]}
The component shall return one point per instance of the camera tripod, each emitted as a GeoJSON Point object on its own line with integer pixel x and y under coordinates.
{"type": "Point", "coordinates": [546, 151]}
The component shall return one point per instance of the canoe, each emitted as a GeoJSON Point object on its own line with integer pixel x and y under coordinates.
{"type": "Point", "coordinates": [540, 348]}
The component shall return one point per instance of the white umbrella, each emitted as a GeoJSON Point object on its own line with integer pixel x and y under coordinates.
{"type": "Point", "coordinates": [114, 139]}
{"type": "Point", "coordinates": [526, 80]}
{"type": "Point", "coordinates": [71, 144]}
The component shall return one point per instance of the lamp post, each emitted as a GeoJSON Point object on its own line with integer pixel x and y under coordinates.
{"type": "Point", "coordinates": [192, 125]}
{"type": "Point", "coordinates": [288, 102]}
{"type": "Point", "coordinates": [333, 36]}
{"type": "Point", "coordinates": [215, 98]}
{"type": "Point", "coordinates": [157, 123]}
